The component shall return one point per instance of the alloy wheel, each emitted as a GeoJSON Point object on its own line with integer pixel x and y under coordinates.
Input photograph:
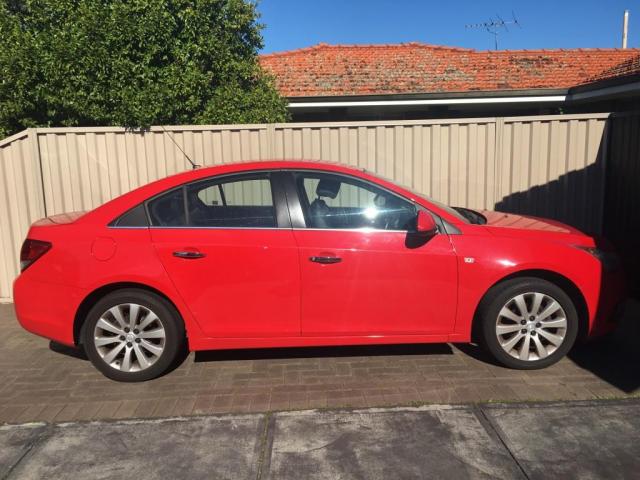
{"type": "Point", "coordinates": [531, 326]}
{"type": "Point", "coordinates": [129, 337]}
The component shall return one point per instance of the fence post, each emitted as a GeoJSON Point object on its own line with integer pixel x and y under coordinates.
{"type": "Point", "coordinates": [271, 140]}
{"type": "Point", "coordinates": [32, 135]}
{"type": "Point", "coordinates": [498, 161]}
{"type": "Point", "coordinates": [604, 172]}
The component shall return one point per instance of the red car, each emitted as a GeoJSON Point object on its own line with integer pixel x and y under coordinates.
{"type": "Point", "coordinates": [282, 254]}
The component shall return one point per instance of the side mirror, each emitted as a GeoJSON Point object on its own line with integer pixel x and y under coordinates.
{"type": "Point", "coordinates": [425, 224]}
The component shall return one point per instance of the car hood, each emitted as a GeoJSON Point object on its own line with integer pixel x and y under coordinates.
{"type": "Point", "coordinates": [524, 226]}
{"type": "Point", "coordinates": [524, 222]}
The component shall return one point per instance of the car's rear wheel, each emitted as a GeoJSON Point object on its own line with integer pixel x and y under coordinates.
{"type": "Point", "coordinates": [132, 335]}
{"type": "Point", "coordinates": [528, 323]}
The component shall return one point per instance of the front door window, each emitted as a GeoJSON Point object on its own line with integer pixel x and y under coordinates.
{"type": "Point", "coordinates": [338, 202]}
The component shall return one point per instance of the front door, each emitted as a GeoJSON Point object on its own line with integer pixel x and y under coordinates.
{"type": "Point", "coordinates": [227, 245]}
{"type": "Point", "coordinates": [362, 272]}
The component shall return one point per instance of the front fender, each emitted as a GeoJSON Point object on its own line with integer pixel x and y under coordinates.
{"type": "Point", "coordinates": [485, 261]}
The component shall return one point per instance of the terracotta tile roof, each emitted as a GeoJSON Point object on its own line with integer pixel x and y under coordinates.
{"type": "Point", "coordinates": [336, 70]}
{"type": "Point", "coordinates": [627, 68]}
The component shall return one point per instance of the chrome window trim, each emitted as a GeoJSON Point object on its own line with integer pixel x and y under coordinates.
{"type": "Point", "coordinates": [116, 227]}
{"type": "Point", "coordinates": [353, 230]}
{"type": "Point", "coordinates": [193, 227]}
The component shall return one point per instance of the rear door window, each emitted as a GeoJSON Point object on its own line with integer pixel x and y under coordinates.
{"type": "Point", "coordinates": [240, 202]}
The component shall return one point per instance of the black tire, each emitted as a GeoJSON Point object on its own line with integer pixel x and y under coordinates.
{"type": "Point", "coordinates": [498, 297]}
{"type": "Point", "coordinates": [168, 317]}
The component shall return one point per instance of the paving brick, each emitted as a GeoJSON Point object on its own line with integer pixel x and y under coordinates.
{"type": "Point", "coordinates": [145, 409]}
{"type": "Point", "coordinates": [68, 412]}
{"type": "Point", "coordinates": [11, 413]}
{"type": "Point", "coordinates": [88, 411]}
{"type": "Point", "coordinates": [31, 412]}
{"type": "Point", "coordinates": [40, 382]}
{"type": "Point", "coordinates": [127, 408]}
{"type": "Point", "coordinates": [183, 407]}
{"type": "Point", "coordinates": [202, 405]}
{"type": "Point", "coordinates": [49, 413]}
{"type": "Point", "coordinates": [165, 407]}
{"type": "Point", "coordinates": [279, 401]}
{"type": "Point", "coordinates": [260, 402]}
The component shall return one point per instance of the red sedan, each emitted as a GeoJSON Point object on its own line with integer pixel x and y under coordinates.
{"type": "Point", "coordinates": [282, 254]}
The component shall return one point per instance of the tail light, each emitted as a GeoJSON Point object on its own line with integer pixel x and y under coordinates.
{"type": "Point", "coordinates": [31, 251]}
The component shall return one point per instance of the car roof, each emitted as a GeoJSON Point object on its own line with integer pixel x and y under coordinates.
{"type": "Point", "coordinates": [266, 165]}
{"type": "Point", "coordinates": [121, 204]}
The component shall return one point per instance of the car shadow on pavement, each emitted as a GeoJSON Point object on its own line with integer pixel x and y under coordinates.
{"type": "Point", "coordinates": [323, 352]}
{"type": "Point", "coordinates": [79, 353]}
{"type": "Point", "coordinates": [605, 358]}
{"type": "Point", "coordinates": [616, 357]}
{"type": "Point", "coordinates": [287, 353]}
{"type": "Point", "coordinates": [75, 352]}
{"type": "Point", "coordinates": [478, 353]}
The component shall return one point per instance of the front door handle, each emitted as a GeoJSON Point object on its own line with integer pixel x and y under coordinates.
{"type": "Point", "coordinates": [190, 254]}
{"type": "Point", "coordinates": [325, 260]}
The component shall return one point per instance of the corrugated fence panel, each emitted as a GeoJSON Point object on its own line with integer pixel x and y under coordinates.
{"type": "Point", "coordinates": [82, 169]}
{"type": "Point", "coordinates": [547, 165]}
{"type": "Point", "coordinates": [20, 203]}
{"type": "Point", "coordinates": [554, 167]}
{"type": "Point", "coordinates": [453, 162]}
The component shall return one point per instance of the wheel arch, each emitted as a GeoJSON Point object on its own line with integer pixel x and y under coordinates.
{"type": "Point", "coordinates": [566, 284]}
{"type": "Point", "coordinates": [98, 293]}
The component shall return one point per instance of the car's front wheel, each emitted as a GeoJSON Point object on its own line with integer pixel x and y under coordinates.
{"type": "Point", "coordinates": [132, 335]}
{"type": "Point", "coordinates": [528, 323]}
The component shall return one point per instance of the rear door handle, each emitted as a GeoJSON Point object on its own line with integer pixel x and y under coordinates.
{"type": "Point", "coordinates": [190, 254]}
{"type": "Point", "coordinates": [325, 260]}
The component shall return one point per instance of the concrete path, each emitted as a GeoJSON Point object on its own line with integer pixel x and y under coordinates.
{"type": "Point", "coordinates": [597, 439]}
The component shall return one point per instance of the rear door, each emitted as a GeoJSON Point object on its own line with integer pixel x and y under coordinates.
{"type": "Point", "coordinates": [227, 244]}
{"type": "Point", "coordinates": [363, 271]}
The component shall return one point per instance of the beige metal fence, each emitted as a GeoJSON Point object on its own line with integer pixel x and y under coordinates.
{"type": "Point", "coordinates": [546, 165]}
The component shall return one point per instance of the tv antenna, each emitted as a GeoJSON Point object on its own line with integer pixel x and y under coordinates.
{"type": "Point", "coordinates": [494, 26]}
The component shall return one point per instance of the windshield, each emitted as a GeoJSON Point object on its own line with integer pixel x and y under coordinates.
{"type": "Point", "coordinates": [474, 217]}
{"type": "Point", "coordinates": [450, 210]}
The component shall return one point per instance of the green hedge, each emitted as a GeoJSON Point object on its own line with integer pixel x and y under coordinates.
{"type": "Point", "coordinates": [132, 63]}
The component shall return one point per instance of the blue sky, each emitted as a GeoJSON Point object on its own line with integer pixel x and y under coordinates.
{"type": "Point", "coordinates": [291, 24]}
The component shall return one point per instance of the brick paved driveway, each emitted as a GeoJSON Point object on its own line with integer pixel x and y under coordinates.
{"type": "Point", "coordinates": [40, 381]}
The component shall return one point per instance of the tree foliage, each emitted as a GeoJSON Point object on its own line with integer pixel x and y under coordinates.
{"type": "Point", "coordinates": [132, 63]}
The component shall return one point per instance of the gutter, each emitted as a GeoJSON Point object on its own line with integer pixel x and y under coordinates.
{"type": "Point", "coordinates": [434, 101]}
{"type": "Point", "coordinates": [597, 93]}
{"type": "Point", "coordinates": [594, 91]}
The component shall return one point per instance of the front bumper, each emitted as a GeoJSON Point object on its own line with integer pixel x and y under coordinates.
{"type": "Point", "coordinates": [611, 303]}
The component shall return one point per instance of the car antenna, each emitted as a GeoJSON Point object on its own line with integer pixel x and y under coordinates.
{"type": "Point", "coordinates": [193, 164]}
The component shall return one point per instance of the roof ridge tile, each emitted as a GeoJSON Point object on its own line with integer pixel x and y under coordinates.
{"type": "Point", "coordinates": [321, 45]}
